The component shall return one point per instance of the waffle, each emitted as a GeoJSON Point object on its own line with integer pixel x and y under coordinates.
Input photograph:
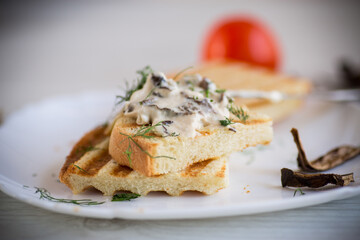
{"type": "Point", "coordinates": [89, 165]}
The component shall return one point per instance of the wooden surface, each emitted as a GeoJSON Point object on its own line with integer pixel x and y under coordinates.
{"type": "Point", "coordinates": [334, 220]}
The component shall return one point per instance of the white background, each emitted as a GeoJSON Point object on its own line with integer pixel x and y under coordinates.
{"type": "Point", "coordinates": [62, 47]}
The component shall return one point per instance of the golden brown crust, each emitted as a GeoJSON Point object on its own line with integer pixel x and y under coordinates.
{"type": "Point", "coordinates": [90, 139]}
{"type": "Point", "coordinates": [195, 169]}
{"type": "Point", "coordinates": [92, 167]}
{"type": "Point", "coordinates": [121, 171]}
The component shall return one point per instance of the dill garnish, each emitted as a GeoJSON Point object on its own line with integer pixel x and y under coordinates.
{"type": "Point", "coordinates": [80, 168]}
{"type": "Point", "coordinates": [238, 112]}
{"type": "Point", "coordinates": [128, 152]}
{"type": "Point", "coordinates": [142, 133]}
{"type": "Point", "coordinates": [207, 92]}
{"type": "Point", "coordinates": [151, 92]}
{"type": "Point", "coordinates": [220, 90]}
{"type": "Point", "coordinates": [144, 73]}
{"type": "Point", "coordinates": [182, 71]}
{"type": "Point", "coordinates": [44, 194]}
{"type": "Point", "coordinates": [298, 189]}
{"type": "Point", "coordinates": [226, 122]}
{"type": "Point", "coordinates": [85, 149]}
{"type": "Point", "coordinates": [124, 197]}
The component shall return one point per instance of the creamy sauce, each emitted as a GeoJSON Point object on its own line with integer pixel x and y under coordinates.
{"type": "Point", "coordinates": [183, 107]}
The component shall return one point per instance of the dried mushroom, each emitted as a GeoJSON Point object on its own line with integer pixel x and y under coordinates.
{"type": "Point", "coordinates": [289, 178]}
{"type": "Point", "coordinates": [328, 161]}
{"type": "Point", "coordinates": [335, 157]}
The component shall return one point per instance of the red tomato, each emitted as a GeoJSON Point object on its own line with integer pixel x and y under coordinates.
{"type": "Point", "coordinates": [242, 39]}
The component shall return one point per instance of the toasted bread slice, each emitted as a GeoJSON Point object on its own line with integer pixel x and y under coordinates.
{"type": "Point", "coordinates": [95, 168]}
{"type": "Point", "coordinates": [184, 151]}
{"type": "Point", "coordinates": [241, 76]}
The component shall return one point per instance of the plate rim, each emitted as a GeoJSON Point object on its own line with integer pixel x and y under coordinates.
{"type": "Point", "coordinates": [209, 212]}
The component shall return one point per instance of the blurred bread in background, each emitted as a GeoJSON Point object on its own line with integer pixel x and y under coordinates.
{"type": "Point", "coordinates": [241, 76]}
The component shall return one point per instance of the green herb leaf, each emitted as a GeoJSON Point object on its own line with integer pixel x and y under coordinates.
{"type": "Point", "coordinates": [220, 90]}
{"type": "Point", "coordinates": [298, 190]}
{"type": "Point", "coordinates": [238, 112]}
{"type": "Point", "coordinates": [146, 129]}
{"type": "Point", "coordinates": [44, 194]}
{"type": "Point", "coordinates": [80, 168]}
{"type": "Point", "coordinates": [144, 73]}
{"type": "Point", "coordinates": [85, 149]}
{"type": "Point", "coordinates": [151, 92]}
{"type": "Point", "coordinates": [124, 197]}
{"type": "Point", "coordinates": [206, 93]}
{"type": "Point", "coordinates": [142, 133]}
{"type": "Point", "coordinates": [182, 71]}
{"type": "Point", "coordinates": [226, 122]}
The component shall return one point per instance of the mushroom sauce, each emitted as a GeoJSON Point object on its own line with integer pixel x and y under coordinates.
{"type": "Point", "coordinates": [183, 107]}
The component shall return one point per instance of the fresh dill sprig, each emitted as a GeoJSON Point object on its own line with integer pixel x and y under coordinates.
{"type": "Point", "coordinates": [144, 73]}
{"type": "Point", "coordinates": [182, 71]}
{"type": "Point", "coordinates": [298, 190]}
{"type": "Point", "coordinates": [220, 90]}
{"type": "Point", "coordinates": [128, 152]}
{"type": "Point", "coordinates": [151, 92]}
{"type": "Point", "coordinates": [85, 149]}
{"type": "Point", "coordinates": [124, 197]}
{"type": "Point", "coordinates": [238, 112]}
{"type": "Point", "coordinates": [226, 122]}
{"type": "Point", "coordinates": [142, 132]}
{"type": "Point", "coordinates": [207, 93]}
{"type": "Point", "coordinates": [44, 194]}
{"type": "Point", "coordinates": [78, 167]}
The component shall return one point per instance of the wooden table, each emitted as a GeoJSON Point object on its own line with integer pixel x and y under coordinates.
{"type": "Point", "coordinates": [334, 220]}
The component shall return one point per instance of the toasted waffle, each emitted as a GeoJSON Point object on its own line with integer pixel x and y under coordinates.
{"type": "Point", "coordinates": [90, 165]}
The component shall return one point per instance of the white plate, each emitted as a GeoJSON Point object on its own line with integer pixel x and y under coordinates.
{"type": "Point", "coordinates": [35, 141]}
